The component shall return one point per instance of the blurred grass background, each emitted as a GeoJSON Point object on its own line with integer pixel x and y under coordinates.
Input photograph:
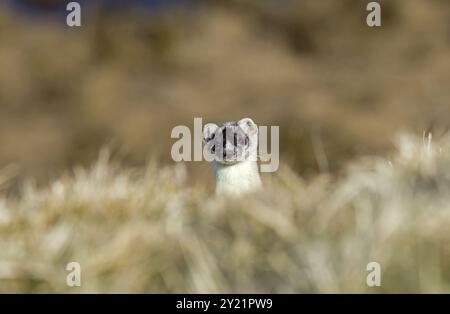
{"type": "Point", "coordinates": [337, 88]}
{"type": "Point", "coordinates": [133, 72]}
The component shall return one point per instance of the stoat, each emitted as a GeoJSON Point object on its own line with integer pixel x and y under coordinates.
{"type": "Point", "coordinates": [232, 148]}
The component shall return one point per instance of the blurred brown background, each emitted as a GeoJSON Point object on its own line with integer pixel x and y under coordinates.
{"type": "Point", "coordinates": [129, 75]}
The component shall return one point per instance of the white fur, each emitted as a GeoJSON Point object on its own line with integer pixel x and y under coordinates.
{"type": "Point", "coordinates": [238, 178]}
{"type": "Point", "coordinates": [243, 175]}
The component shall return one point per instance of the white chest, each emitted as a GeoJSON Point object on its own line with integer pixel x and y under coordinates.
{"type": "Point", "coordinates": [237, 179]}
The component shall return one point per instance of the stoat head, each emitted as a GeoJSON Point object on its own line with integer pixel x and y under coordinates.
{"type": "Point", "coordinates": [232, 142]}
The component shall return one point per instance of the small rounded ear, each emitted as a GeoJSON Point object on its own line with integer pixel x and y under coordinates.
{"type": "Point", "coordinates": [208, 131]}
{"type": "Point", "coordinates": [248, 126]}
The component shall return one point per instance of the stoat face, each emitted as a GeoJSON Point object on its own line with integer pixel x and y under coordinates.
{"type": "Point", "coordinates": [232, 142]}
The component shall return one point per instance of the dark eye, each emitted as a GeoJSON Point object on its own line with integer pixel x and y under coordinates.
{"type": "Point", "coordinates": [211, 137]}
{"type": "Point", "coordinates": [246, 140]}
{"type": "Point", "coordinates": [235, 139]}
{"type": "Point", "coordinates": [213, 149]}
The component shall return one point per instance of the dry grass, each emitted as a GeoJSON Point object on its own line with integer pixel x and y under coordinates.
{"type": "Point", "coordinates": [335, 87]}
{"type": "Point", "coordinates": [149, 230]}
